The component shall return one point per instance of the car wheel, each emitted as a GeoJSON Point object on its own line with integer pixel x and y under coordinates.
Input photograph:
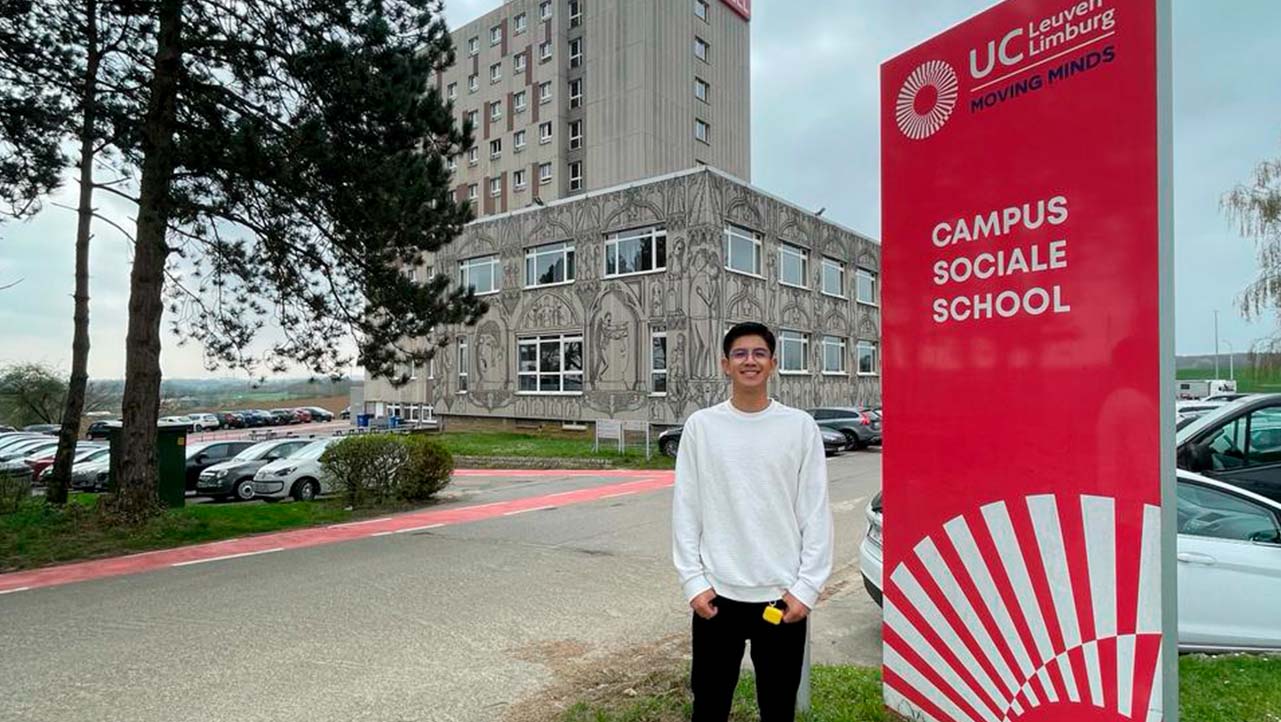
{"type": "Point", "coordinates": [851, 440]}
{"type": "Point", "coordinates": [245, 489]}
{"type": "Point", "coordinates": [670, 447]}
{"type": "Point", "coordinates": [306, 490]}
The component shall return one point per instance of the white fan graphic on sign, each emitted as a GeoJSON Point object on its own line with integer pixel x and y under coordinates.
{"type": "Point", "coordinates": [1029, 616]}
{"type": "Point", "coordinates": [926, 100]}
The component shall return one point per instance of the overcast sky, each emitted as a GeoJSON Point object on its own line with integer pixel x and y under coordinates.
{"type": "Point", "coordinates": [1227, 116]}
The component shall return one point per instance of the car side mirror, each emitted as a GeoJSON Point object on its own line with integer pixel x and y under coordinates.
{"type": "Point", "coordinates": [201, 458]}
{"type": "Point", "coordinates": [1266, 538]}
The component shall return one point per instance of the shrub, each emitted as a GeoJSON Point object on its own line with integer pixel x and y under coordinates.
{"type": "Point", "coordinates": [427, 469]}
{"type": "Point", "coordinates": [364, 468]}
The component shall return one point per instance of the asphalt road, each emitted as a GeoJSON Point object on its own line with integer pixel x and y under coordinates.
{"type": "Point", "coordinates": [454, 624]}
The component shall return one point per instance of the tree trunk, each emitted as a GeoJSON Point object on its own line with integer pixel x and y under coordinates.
{"type": "Point", "coordinates": [60, 476]}
{"type": "Point", "coordinates": [136, 496]}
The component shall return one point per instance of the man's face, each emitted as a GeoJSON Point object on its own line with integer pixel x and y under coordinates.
{"type": "Point", "coordinates": [750, 362]}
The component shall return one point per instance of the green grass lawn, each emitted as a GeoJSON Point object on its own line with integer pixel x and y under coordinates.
{"type": "Point", "coordinates": [1233, 688]}
{"type": "Point", "coordinates": [39, 535]}
{"type": "Point", "coordinates": [504, 443]}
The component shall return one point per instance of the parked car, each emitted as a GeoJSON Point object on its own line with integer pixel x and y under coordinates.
{"type": "Point", "coordinates": [91, 475]}
{"type": "Point", "coordinates": [42, 428]}
{"type": "Point", "coordinates": [1228, 539]}
{"type": "Point", "coordinates": [1238, 443]}
{"type": "Point", "coordinates": [302, 416]}
{"type": "Point", "coordinates": [4, 428]}
{"type": "Point", "coordinates": [27, 447]}
{"type": "Point", "coordinates": [205, 422]}
{"type": "Point", "coordinates": [299, 476]}
{"type": "Point", "coordinates": [43, 461]}
{"type": "Point", "coordinates": [231, 420]}
{"type": "Point", "coordinates": [100, 429]}
{"type": "Point", "coordinates": [178, 421]}
{"type": "Point", "coordinates": [860, 427]}
{"type": "Point", "coordinates": [345, 413]}
{"type": "Point", "coordinates": [255, 418]}
{"type": "Point", "coordinates": [234, 478]}
{"type": "Point", "coordinates": [319, 414]}
{"type": "Point", "coordinates": [281, 417]}
{"type": "Point", "coordinates": [11, 438]}
{"type": "Point", "coordinates": [201, 456]}
{"type": "Point", "coordinates": [669, 441]}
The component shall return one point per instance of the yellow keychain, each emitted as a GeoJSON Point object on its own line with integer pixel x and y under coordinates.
{"type": "Point", "coordinates": [773, 614]}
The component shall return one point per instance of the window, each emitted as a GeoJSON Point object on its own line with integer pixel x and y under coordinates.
{"type": "Point", "coordinates": [518, 179]}
{"type": "Point", "coordinates": [473, 46]}
{"type": "Point", "coordinates": [544, 173]}
{"type": "Point", "coordinates": [473, 156]}
{"type": "Point", "coordinates": [576, 53]}
{"type": "Point", "coordinates": [793, 265]}
{"type": "Point", "coordinates": [545, 132]}
{"type": "Point", "coordinates": [496, 110]}
{"type": "Point", "coordinates": [521, 22]}
{"type": "Point", "coordinates": [867, 361]}
{"type": "Point", "coordinates": [1246, 442]}
{"type": "Point", "coordinates": [575, 13]}
{"type": "Point", "coordinates": [576, 176]}
{"type": "Point", "coordinates": [545, 10]}
{"type": "Point", "coordinates": [865, 281]}
{"type": "Point", "coordinates": [700, 9]}
{"type": "Point", "coordinates": [495, 72]}
{"type": "Point", "coordinates": [701, 49]}
{"type": "Point", "coordinates": [742, 250]}
{"type": "Point", "coordinates": [520, 100]}
{"type": "Point", "coordinates": [464, 363]}
{"type": "Point", "coordinates": [480, 273]}
{"type": "Point", "coordinates": [518, 63]}
{"type": "Point", "coordinates": [636, 251]}
{"type": "Point", "coordinates": [833, 355]}
{"type": "Point", "coordinates": [544, 51]}
{"type": "Point", "coordinates": [702, 131]}
{"type": "Point", "coordinates": [550, 364]}
{"type": "Point", "coordinates": [575, 135]}
{"type": "Point", "coordinates": [1217, 514]}
{"type": "Point", "coordinates": [658, 363]}
{"type": "Point", "coordinates": [833, 278]}
{"type": "Point", "coordinates": [495, 187]}
{"type": "Point", "coordinates": [473, 117]}
{"type": "Point", "coordinates": [495, 35]}
{"type": "Point", "coordinates": [453, 163]}
{"type": "Point", "coordinates": [576, 93]}
{"type": "Point", "coordinates": [701, 89]}
{"type": "Point", "coordinates": [452, 90]}
{"type": "Point", "coordinates": [548, 264]}
{"type": "Point", "coordinates": [473, 83]}
{"type": "Point", "coordinates": [518, 140]}
{"type": "Point", "coordinates": [795, 351]}
{"type": "Point", "coordinates": [473, 192]}
{"type": "Point", "coordinates": [545, 92]}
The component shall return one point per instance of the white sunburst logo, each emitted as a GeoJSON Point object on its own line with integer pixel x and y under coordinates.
{"type": "Point", "coordinates": [926, 99]}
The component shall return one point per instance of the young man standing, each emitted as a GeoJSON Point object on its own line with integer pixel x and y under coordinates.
{"type": "Point", "coordinates": [751, 530]}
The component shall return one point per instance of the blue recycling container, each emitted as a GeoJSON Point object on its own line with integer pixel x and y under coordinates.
{"type": "Point", "coordinates": [362, 421]}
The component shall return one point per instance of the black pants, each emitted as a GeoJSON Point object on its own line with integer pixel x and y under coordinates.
{"type": "Point", "coordinates": [778, 651]}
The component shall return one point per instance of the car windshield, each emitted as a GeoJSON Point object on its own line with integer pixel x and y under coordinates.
{"type": "Point", "coordinates": [314, 449]}
{"type": "Point", "coordinates": [93, 454]}
{"type": "Point", "coordinates": [257, 451]}
{"type": "Point", "coordinates": [1215, 416]}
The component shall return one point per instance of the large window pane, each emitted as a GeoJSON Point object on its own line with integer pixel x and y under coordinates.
{"type": "Point", "coordinates": [742, 250]}
{"type": "Point", "coordinates": [1265, 437]}
{"type": "Point", "coordinates": [867, 362]}
{"type": "Point", "coordinates": [794, 350]}
{"type": "Point", "coordinates": [866, 282]}
{"type": "Point", "coordinates": [636, 251]}
{"type": "Point", "coordinates": [1207, 512]}
{"type": "Point", "coordinates": [792, 265]}
{"type": "Point", "coordinates": [573, 355]}
{"type": "Point", "coordinates": [833, 278]}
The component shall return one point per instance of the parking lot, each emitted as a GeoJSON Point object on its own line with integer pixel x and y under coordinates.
{"type": "Point", "coordinates": [495, 590]}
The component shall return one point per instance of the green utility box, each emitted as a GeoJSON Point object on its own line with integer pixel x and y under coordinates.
{"type": "Point", "coordinates": [171, 460]}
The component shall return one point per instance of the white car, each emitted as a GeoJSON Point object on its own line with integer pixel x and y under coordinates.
{"type": "Point", "coordinates": [300, 475]}
{"type": "Point", "coordinates": [1229, 541]}
{"type": "Point", "coordinates": [204, 422]}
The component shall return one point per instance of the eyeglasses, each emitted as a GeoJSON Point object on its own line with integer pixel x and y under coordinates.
{"type": "Point", "coordinates": [741, 354]}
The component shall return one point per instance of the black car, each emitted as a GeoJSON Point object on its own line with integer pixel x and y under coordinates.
{"type": "Point", "coordinates": [319, 414]}
{"type": "Point", "coordinates": [205, 454]}
{"type": "Point", "coordinates": [255, 418]}
{"type": "Point", "coordinates": [670, 440]}
{"type": "Point", "coordinates": [234, 478]}
{"type": "Point", "coordinates": [861, 427]}
{"type": "Point", "coordinates": [1238, 443]}
{"type": "Point", "coordinates": [282, 417]}
{"type": "Point", "coordinates": [100, 429]}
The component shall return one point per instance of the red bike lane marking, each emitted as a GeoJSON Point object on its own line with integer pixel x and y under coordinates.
{"type": "Point", "coordinates": [332, 534]}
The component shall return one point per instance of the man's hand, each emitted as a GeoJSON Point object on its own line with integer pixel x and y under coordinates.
{"type": "Point", "coordinates": [702, 604]}
{"type": "Point", "coordinates": [796, 609]}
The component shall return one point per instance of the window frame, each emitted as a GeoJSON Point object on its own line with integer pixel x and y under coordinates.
{"type": "Point", "coordinates": [787, 337]}
{"type": "Point", "coordinates": [804, 254]}
{"type": "Point", "coordinates": [495, 73]}
{"type": "Point", "coordinates": [576, 100]}
{"type": "Point", "coordinates": [839, 342]}
{"type": "Point", "coordinates": [545, 92]}
{"type": "Point", "coordinates": [575, 139]}
{"type": "Point", "coordinates": [656, 234]}
{"type": "Point", "coordinates": [520, 22]}
{"type": "Point", "coordinates": [544, 51]}
{"type": "Point", "coordinates": [473, 191]}
{"type": "Point", "coordinates": [705, 46]}
{"type": "Point", "coordinates": [495, 187]}
{"type": "Point", "coordinates": [562, 340]}
{"type": "Point", "coordinates": [575, 13]}
{"type": "Point", "coordinates": [576, 58]}
{"type": "Point", "coordinates": [704, 7]}
{"type": "Point", "coordinates": [654, 371]}
{"type": "Point", "coordinates": [544, 179]}
{"type": "Point", "coordinates": [519, 63]}
{"type": "Point", "coordinates": [706, 87]}
{"type": "Point", "coordinates": [547, 137]}
{"type": "Point", "coordinates": [576, 181]}
{"type": "Point", "coordinates": [490, 259]}
{"type": "Point", "coordinates": [520, 101]}
{"type": "Point", "coordinates": [518, 179]}
{"type": "Point", "coordinates": [861, 272]}
{"type": "Point", "coordinates": [496, 148]}
{"type": "Point", "coordinates": [495, 35]}
{"type": "Point", "coordinates": [473, 83]}
{"type": "Point", "coordinates": [758, 241]}
{"type": "Point", "coordinates": [451, 90]}
{"type": "Point", "coordinates": [518, 140]}
{"type": "Point", "coordinates": [464, 364]}
{"type": "Point", "coordinates": [473, 45]}
{"type": "Point", "coordinates": [702, 131]}
{"type": "Point", "coordinates": [858, 357]}
{"type": "Point", "coordinates": [545, 10]}
{"type": "Point", "coordinates": [566, 251]}
{"type": "Point", "coordinates": [824, 264]}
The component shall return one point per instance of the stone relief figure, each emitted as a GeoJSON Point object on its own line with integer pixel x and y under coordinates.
{"type": "Point", "coordinates": [705, 313]}
{"type": "Point", "coordinates": [610, 340]}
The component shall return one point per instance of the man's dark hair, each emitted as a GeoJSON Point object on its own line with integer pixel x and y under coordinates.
{"type": "Point", "coordinates": [747, 328]}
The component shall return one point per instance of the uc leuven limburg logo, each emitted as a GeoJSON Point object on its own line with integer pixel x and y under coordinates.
{"type": "Point", "coordinates": [926, 100]}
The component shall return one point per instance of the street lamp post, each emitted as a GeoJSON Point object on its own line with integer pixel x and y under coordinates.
{"type": "Point", "coordinates": [1232, 375]}
{"type": "Point", "coordinates": [1216, 344]}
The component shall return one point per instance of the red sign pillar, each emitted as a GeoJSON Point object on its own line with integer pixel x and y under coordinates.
{"type": "Point", "coordinates": [1028, 368]}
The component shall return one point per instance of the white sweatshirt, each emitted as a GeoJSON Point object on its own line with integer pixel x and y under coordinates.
{"type": "Point", "coordinates": [750, 517]}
